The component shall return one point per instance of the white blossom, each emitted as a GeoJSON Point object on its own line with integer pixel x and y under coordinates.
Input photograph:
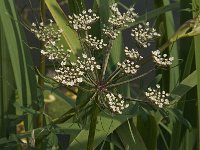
{"type": "Point", "coordinates": [73, 75]}
{"type": "Point", "coordinates": [129, 67]}
{"type": "Point", "coordinates": [50, 36]}
{"type": "Point", "coordinates": [83, 20]}
{"type": "Point", "coordinates": [143, 34]}
{"type": "Point", "coordinates": [110, 32]}
{"type": "Point", "coordinates": [157, 97]}
{"type": "Point", "coordinates": [116, 103]}
{"type": "Point", "coordinates": [132, 54]}
{"type": "Point", "coordinates": [119, 19]}
{"type": "Point", "coordinates": [69, 75]}
{"type": "Point", "coordinates": [94, 43]}
{"type": "Point", "coordinates": [161, 60]}
{"type": "Point", "coordinates": [87, 63]}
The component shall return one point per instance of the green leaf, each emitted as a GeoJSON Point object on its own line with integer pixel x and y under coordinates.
{"type": "Point", "coordinates": [166, 23]}
{"type": "Point", "coordinates": [17, 61]}
{"type": "Point", "coordinates": [148, 129]}
{"type": "Point", "coordinates": [68, 128]}
{"type": "Point", "coordinates": [195, 5]}
{"type": "Point", "coordinates": [76, 6]}
{"type": "Point", "coordinates": [130, 136]}
{"type": "Point", "coordinates": [186, 85]}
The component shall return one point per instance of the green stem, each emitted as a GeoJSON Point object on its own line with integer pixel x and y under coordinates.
{"type": "Point", "coordinates": [42, 64]}
{"type": "Point", "coordinates": [130, 80]}
{"type": "Point", "coordinates": [106, 58]}
{"type": "Point", "coordinates": [113, 75]}
{"type": "Point", "coordinates": [93, 122]}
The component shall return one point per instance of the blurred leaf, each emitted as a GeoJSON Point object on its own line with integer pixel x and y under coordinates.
{"type": "Point", "coordinates": [114, 139]}
{"type": "Point", "coordinates": [187, 84]}
{"type": "Point", "coordinates": [105, 125]}
{"type": "Point", "coordinates": [60, 95]}
{"type": "Point", "coordinates": [130, 136]}
{"type": "Point", "coordinates": [17, 61]}
{"type": "Point", "coordinates": [68, 128]}
{"type": "Point", "coordinates": [148, 129]}
{"type": "Point", "coordinates": [76, 6]}
{"type": "Point", "coordinates": [196, 5]}
{"type": "Point", "coordinates": [179, 116]}
{"type": "Point", "coordinates": [25, 109]}
{"type": "Point", "coordinates": [189, 140]}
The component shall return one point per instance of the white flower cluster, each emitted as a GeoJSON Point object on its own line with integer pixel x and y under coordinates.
{"type": "Point", "coordinates": [143, 34]}
{"type": "Point", "coordinates": [50, 36]}
{"type": "Point", "coordinates": [83, 20]}
{"type": "Point", "coordinates": [132, 54]}
{"type": "Point", "coordinates": [86, 63]}
{"type": "Point", "coordinates": [72, 75]}
{"type": "Point", "coordinates": [157, 97]}
{"type": "Point", "coordinates": [69, 75]}
{"type": "Point", "coordinates": [56, 52]}
{"type": "Point", "coordinates": [94, 43]}
{"type": "Point", "coordinates": [118, 19]}
{"type": "Point", "coordinates": [129, 67]}
{"type": "Point", "coordinates": [161, 60]}
{"type": "Point", "coordinates": [116, 103]}
{"type": "Point", "coordinates": [110, 32]}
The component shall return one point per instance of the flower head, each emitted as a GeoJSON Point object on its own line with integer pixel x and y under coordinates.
{"type": "Point", "coordinates": [69, 75]}
{"type": "Point", "coordinates": [87, 63]}
{"type": "Point", "coordinates": [118, 19]}
{"type": "Point", "coordinates": [94, 43]}
{"type": "Point", "coordinates": [83, 20]}
{"type": "Point", "coordinates": [161, 60]}
{"type": "Point", "coordinates": [132, 54]}
{"type": "Point", "coordinates": [129, 67]}
{"type": "Point", "coordinates": [72, 74]}
{"type": "Point", "coordinates": [143, 34]}
{"type": "Point", "coordinates": [157, 97]}
{"type": "Point", "coordinates": [116, 103]}
{"type": "Point", "coordinates": [50, 36]}
{"type": "Point", "coordinates": [110, 32]}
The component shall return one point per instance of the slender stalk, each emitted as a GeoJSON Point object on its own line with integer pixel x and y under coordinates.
{"type": "Point", "coordinates": [106, 58]}
{"type": "Point", "coordinates": [130, 80]}
{"type": "Point", "coordinates": [91, 78]}
{"type": "Point", "coordinates": [113, 75]}
{"type": "Point", "coordinates": [93, 123]}
{"type": "Point", "coordinates": [42, 64]}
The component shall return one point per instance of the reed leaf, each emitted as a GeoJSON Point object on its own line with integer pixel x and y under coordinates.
{"type": "Point", "coordinates": [22, 80]}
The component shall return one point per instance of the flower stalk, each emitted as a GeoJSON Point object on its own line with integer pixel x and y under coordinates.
{"type": "Point", "coordinates": [40, 122]}
{"type": "Point", "coordinates": [95, 111]}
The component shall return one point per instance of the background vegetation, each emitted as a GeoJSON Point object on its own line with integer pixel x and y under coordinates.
{"type": "Point", "coordinates": [25, 103]}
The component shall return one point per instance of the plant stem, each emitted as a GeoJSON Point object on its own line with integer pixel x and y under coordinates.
{"type": "Point", "coordinates": [106, 58]}
{"type": "Point", "coordinates": [113, 75]}
{"type": "Point", "coordinates": [130, 80]}
{"type": "Point", "coordinates": [42, 64]}
{"type": "Point", "coordinates": [93, 122]}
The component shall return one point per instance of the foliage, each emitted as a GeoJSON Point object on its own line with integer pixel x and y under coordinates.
{"type": "Point", "coordinates": [103, 109]}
